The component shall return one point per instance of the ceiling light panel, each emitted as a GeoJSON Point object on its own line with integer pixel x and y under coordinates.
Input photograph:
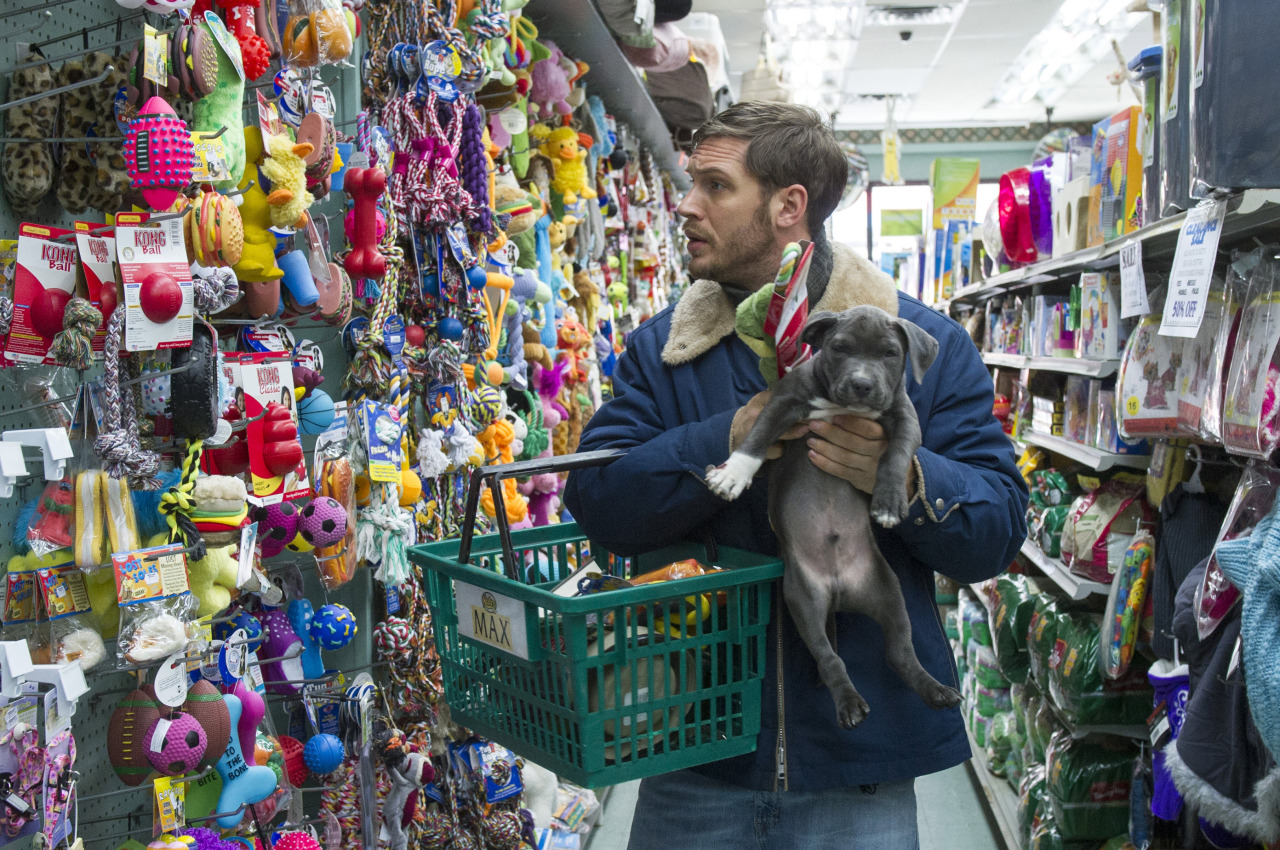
{"type": "Point", "coordinates": [789, 22]}
{"type": "Point", "coordinates": [899, 15]}
{"type": "Point", "coordinates": [1078, 37]}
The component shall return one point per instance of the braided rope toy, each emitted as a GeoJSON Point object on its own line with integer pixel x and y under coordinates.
{"type": "Point", "coordinates": [178, 503]}
{"type": "Point", "coordinates": [119, 443]}
{"type": "Point", "coordinates": [73, 346]}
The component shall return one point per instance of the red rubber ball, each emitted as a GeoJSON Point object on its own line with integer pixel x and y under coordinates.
{"type": "Point", "coordinates": [47, 311]}
{"type": "Point", "coordinates": [160, 297]}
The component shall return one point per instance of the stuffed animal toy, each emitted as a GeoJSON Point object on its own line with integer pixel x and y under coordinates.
{"type": "Point", "coordinates": [575, 348]}
{"type": "Point", "coordinates": [409, 771]}
{"type": "Point", "coordinates": [286, 169]}
{"type": "Point", "coordinates": [568, 163]}
{"type": "Point", "coordinates": [588, 301]}
{"type": "Point", "coordinates": [78, 187]}
{"type": "Point", "coordinates": [534, 350]}
{"type": "Point", "coordinates": [258, 259]}
{"type": "Point", "coordinates": [549, 85]}
{"type": "Point", "coordinates": [509, 199]}
{"type": "Point", "coordinates": [26, 168]}
{"type": "Point", "coordinates": [221, 108]}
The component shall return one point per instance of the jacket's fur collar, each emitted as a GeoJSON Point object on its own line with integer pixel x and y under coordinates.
{"type": "Point", "coordinates": [705, 315]}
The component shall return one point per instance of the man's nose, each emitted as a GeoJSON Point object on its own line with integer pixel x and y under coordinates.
{"type": "Point", "coordinates": [687, 208]}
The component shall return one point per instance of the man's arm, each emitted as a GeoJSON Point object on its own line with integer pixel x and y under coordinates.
{"type": "Point", "coordinates": [654, 495]}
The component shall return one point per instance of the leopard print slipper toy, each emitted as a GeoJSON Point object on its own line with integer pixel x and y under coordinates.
{"type": "Point", "coordinates": [78, 188]}
{"type": "Point", "coordinates": [26, 168]}
{"type": "Point", "coordinates": [112, 175]}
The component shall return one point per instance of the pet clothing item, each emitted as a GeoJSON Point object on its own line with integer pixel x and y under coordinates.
{"type": "Point", "coordinates": [1186, 536]}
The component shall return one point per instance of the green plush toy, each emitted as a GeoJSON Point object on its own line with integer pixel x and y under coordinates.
{"type": "Point", "coordinates": [519, 151]}
{"type": "Point", "coordinates": [221, 108]}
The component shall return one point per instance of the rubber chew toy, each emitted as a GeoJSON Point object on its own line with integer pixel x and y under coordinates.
{"type": "Point", "coordinates": [158, 153]}
{"type": "Point", "coordinates": [281, 450]}
{"type": "Point", "coordinates": [254, 50]}
{"type": "Point", "coordinates": [365, 186]}
{"type": "Point", "coordinates": [242, 783]}
{"type": "Point", "coordinates": [252, 709]}
{"type": "Point", "coordinates": [281, 642]}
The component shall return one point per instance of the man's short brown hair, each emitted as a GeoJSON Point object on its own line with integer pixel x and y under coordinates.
{"type": "Point", "coordinates": [786, 144]}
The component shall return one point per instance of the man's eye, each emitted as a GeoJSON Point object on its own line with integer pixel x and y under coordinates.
{"type": "Point", "coordinates": [716, 185]}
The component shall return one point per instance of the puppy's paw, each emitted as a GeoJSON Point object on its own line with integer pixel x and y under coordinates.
{"type": "Point", "coordinates": [940, 696]}
{"type": "Point", "coordinates": [733, 476]}
{"type": "Point", "coordinates": [889, 506]}
{"type": "Point", "coordinates": [851, 708]}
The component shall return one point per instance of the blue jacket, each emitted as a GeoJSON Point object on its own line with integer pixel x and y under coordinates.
{"type": "Point", "coordinates": [967, 524]}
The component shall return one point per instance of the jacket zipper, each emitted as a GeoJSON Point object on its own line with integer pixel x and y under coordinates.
{"type": "Point", "coordinates": [780, 774]}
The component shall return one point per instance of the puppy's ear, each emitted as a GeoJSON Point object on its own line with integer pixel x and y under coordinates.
{"type": "Point", "coordinates": [816, 329]}
{"type": "Point", "coordinates": [922, 349]}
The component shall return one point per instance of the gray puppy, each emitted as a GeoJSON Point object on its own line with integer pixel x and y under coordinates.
{"type": "Point", "coordinates": [823, 522]}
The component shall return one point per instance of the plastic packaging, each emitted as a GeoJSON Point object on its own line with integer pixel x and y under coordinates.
{"type": "Point", "coordinates": [1249, 416]}
{"type": "Point", "coordinates": [1101, 526]}
{"type": "Point", "coordinates": [1197, 361]}
{"type": "Point", "coordinates": [990, 702]}
{"type": "Point", "coordinates": [316, 33]}
{"type": "Point", "coordinates": [985, 667]}
{"type": "Point", "coordinates": [71, 633]}
{"type": "Point", "coordinates": [157, 609]}
{"type": "Point", "coordinates": [1012, 607]}
{"type": "Point", "coordinates": [1076, 684]}
{"type": "Point", "coordinates": [1147, 385]}
{"type": "Point", "coordinates": [1088, 786]}
{"type": "Point", "coordinates": [1253, 498]}
{"type": "Point", "coordinates": [1175, 106]}
{"type": "Point", "coordinates": [975, 617]}
{"type": "Point", "coordinates": [1145, 69]}
{"type": "Point", "coordinates": [337, 564]}
{"type": "Point", "coordinates": [1233, 78]}
{"type": "Point", "coordinates": [1042, 632]}
{"type": "Point", "coordinates": [1031, 801]}
{"type": "Point", "coordinates": [52, 525]}
{"type": "Point", "coordinates": [1125, 604]}
{"type": "Point", "coordinates": [1235, 296]}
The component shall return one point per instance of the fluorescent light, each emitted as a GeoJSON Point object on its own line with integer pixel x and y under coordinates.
{"type": "Point", "coordinates": [788, 22]}
{"type": "Point", "coordinates": [896, 15]}
{"type": "Point", "coordinates": [1077, 38]}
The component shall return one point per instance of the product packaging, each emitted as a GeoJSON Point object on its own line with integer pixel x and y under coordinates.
{"type": "Point", "coordinates": [1197, 361]}
{"type": "Point", "coordinates": [101, 275]}
{"type": "Point", "coordinates": [1042, 633]}
{"type": "Point", "coordinates": [44, 281]}
{"type": "Point", "coordinates": [1235, 296]}
{"type": "Point", "coordinates": [1078, 688]}
{"type": "Point", "coordinates": [1147, 386]}
{"type": "Point", "coordinates": [1250, 409]}
{"type": "Point", "coordinates": [1088, 786]}
{"type": "Point", "coordinates": [156, 280]}
{"type": "Point", "coordinates": [1101, 526]}
{"type": "Point", "coordinates": [1175, 107]}
{"type": "Point", "coordinates": [1011, 611]}
{"type": "Point", "coordinates": [72, 635]}
{"type": "Point", "coordinates": [157, 609]}
{"type": "Point", "coordinates": [1101, 333]}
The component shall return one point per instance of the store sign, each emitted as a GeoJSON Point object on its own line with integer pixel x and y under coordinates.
{"type": "Point", "coordinates": [492, 618]}
{"type": "Point", "coordinates": [1192, 272]}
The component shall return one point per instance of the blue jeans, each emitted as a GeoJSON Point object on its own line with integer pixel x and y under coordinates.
{"type": "Point", "coordinates": [686, 810]}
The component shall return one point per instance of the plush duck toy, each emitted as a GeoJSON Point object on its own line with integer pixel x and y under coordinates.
{"type": "Point", "coordinates": [286, 169]}
{"type": "Point", "coordinates": [258, 260]}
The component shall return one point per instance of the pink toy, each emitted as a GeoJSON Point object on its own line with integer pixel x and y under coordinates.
{"type": "Point", "coordinates": [550, 86]}
{"type": "Point", "coordinates": [158, 153]}
{"type": "Point", "coordinates": [277, 525]}
{"type": "Point", "coordinates": [323, 522]}
{"type": "Point", "coordinates": [296, 841]}
{"type": "Point", "coordinates": [253, 709]}
{"type": "Point", "coordinates": [365, 186]}
{"type": "Point", "coordinates": [175, 745]}
{"type": "Point", "coordinates": [543, 491]}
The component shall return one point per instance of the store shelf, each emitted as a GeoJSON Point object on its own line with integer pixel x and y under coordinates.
{"type": "Point", "coordinates": [1095, 459]}
{"type": "Point", "coordinates": [1002, 800]}
{"type": "Point", "coordinates": [1252, 213]}
{"type": "Point", "coordinates": [1056, 571]}
{"type": "Point", "coordinates": [1065, 365]}
{"type": "Point", "coordinates": [577, 26]}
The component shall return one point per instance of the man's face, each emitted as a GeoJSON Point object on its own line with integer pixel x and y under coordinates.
{"type": "Point", "coordinates": [727, 218]}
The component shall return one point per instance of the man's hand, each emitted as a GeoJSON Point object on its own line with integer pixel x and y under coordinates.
{"type": "Point", "coordinates": [850, 447]}
{"type": "Point", "coordinates": [746, 417]}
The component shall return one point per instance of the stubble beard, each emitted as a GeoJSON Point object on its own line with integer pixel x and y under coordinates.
{"type": "Point", "coordinates": [745, 258]}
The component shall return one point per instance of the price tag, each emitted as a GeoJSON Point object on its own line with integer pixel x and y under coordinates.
{"type": "Point", "coordinates": [440, 59]}
{"type": "Point", "coordinates": [210, 164]}
{"type": "Point", "coordinates": [1133, 283]}
{"type": "Point", "coordinates": [171, 680]}
{"type": "Point", "coordinates": [155, 64]}
{"type": "Point", "coordinates": [1193, 269]}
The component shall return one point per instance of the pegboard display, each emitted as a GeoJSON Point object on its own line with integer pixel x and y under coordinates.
{"type": "Point", "coordinates": [462, 250]}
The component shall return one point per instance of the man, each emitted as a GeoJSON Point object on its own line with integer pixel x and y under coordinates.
{"type": "Point", "coordinates": [687, 390]}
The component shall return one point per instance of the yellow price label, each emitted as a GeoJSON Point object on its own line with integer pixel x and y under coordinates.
{"type": "Point", "coordinates": [155, 65]}
{"type": "Point", "coordinates": [1131, 405]}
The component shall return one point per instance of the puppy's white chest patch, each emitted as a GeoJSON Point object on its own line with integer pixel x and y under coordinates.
{"type": "Point", "coordinates": [828, 410]}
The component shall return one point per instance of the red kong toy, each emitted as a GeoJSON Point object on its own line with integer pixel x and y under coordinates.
{"type": "Point", "coordinates": [365, 186]}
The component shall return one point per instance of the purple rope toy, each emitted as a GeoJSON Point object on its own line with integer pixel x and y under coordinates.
{"type": "Point", "coordinates": [475, 168]}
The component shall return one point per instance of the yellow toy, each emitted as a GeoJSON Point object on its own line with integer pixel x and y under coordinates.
{"type": "Point", "coordinates": [285, 168]}
{"type": "Point", "coordinates": [258, 260]}
{"type": "Point", "coordinates": [568, 164]}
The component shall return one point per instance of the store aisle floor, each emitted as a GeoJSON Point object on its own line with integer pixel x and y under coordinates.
{"type": "Point", "coordinates": [949, 811]}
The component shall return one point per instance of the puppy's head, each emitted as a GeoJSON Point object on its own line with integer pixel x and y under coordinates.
{"type": "Point", "coordinates": [862, 355]}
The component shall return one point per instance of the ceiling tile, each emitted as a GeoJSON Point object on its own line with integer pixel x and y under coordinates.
{"type": "Point", "coordinates": [917, 53]}
{"type": "Point", "coordinates": [1006, 18]}
{"type": "Point", "coordinates": [885, 80]}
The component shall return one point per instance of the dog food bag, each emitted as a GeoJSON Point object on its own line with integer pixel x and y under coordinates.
{"type": "Point", "coordinates": [1077, 685]}
{"type": "Point", "coordinates": [1042, 631]}
{"type": "Point", "coordinates": [1002, 740]}
{"type": "Point", "coordinates": [1235, 295]}
{"type": "Point", "coordinates": [1032, 793]}
{"type": "Point", "coordinates": [990, 702]}
{"type": "Point", "coordinates": [1147, 385]}
{"type": "Point", "coordinates": [981, 727]}
{"type": "Point", "coordinates": [1249, 412]}
{"type": "Point", "coordinates": [1101, 526]}
{"type": "Point", "coordinates": [1044, 725]}
{"type": "Point", "coordinates": [986, 668]}
{"type": "Point", "coordinates": [1088, 786]}
{"type": "Point", "coordinates": [1012, 607]}
{"type": "Point", "coordinates": [975, 615]}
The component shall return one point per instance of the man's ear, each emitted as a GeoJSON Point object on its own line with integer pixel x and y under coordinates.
{"type": "Point", "coordinates": [816, 329]}
{"type": "Point", "coordinates": [794, 207]}
{"type": "Point", "coordinates": [922, 349]}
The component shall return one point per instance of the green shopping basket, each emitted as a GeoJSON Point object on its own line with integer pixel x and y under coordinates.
{"type": "Point", "coordinates": [606, 687]}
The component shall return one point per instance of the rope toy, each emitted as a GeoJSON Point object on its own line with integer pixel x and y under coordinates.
{"type": "Point", "coordinates": [73, 347]}
{"type": "Point", "coordinates": [383, 533]}
{"type": "Point", "coordinates": [119, 444]}
{"type": "Point", "coordinates": [475, 168]}
{"type": "Point", "coordinates": [177, 504]}
{"type": "Point", "coordinates": [214, 290]}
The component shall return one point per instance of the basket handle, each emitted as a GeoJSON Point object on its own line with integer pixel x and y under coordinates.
{"type": "Point", "coordinates": [497, 472]}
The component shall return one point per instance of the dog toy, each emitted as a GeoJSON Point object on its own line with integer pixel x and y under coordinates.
{"type": "Point", "coordinates": [409, 771]}
{"type": "Point", "coordinates": [333, 307]}
{"type": "Point", "coordinates": [205, 703]}
{"type": "Point", "coordinates": [126, 740]}
{"type": "Point", "coordinates": [78, 188]}
{"type": "Point", "coordinates": [73, 345]}
{"type": "Point", "coordinates": [281, 642]}
{"type": "Point", "coordinates": [323, 522]}
{"type": "Point", "coordinates": [216, 231]}
{"type": "Point", "coordinates": [299, 284]}
{"type": "Point", "coordinates": [296, 841]}
{"type": "Point", "coordinates": [158, 153]}
{"type": "Point", "coordinates": [243, 783]}
{"type": "Point", "coordinates": [277, 525]}
{"type": "Point", "coordinates": [365, 186]}
{"type": "Point", "coordinates": [254, 50]}
{"type": "Point", "coordinates": [285, 168]}
{"type": "Point", "coordinates": [550, 88]}
{"type": "Point", "coordinates": [281, 450]}
{"type": "Point", "coordinates": [221, 109]}
{"type": "Point", "coordinates": [315, 413]}
{"type": "Point", "coordinates": [323, 753]}
{"type": "Point", "coordinates": [175, 744]}
{"type": "Point", "coordinates": [258, 260]}
{"type": "Point", "coordinates": [568, 164]}
{"type": "Point", "coordinates": [316, 34]}
{"type": "Point", "coordinates": [212, 579]}
{"type": "Point", "coordinates": [26, 167]}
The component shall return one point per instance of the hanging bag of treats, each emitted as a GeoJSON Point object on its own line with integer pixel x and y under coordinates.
{"type": "Point", "coordinates": [1101, 526]}
{"type": "Point", "coordinates": [1235, 296]}
{"type": "Point", "coordinates": [1197, 359]}
{"type": "Point", "coordinates": [1249, 413]}
{"type": "Point", "coordinates": [1147, 384]}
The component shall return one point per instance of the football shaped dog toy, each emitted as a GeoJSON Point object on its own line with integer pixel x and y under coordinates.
{"type": "Point", "coordinates": [158, 153]}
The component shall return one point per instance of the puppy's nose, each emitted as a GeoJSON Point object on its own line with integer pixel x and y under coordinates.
{"type": "Point", "coordinates": [861, 386]}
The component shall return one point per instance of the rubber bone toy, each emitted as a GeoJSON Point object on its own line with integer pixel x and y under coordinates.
{"type": "Point", "coordinates": [365, 186]}
{"type": "Point", "coordinates": [158, 153]}
{"type": "Point", "coordinates": [254, 50]}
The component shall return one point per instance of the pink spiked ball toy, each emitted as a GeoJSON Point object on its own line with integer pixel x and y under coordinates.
{"type": "Point", "coordinates": [296, 841]}
{"type": "Point", "coordinates": [158, 153]}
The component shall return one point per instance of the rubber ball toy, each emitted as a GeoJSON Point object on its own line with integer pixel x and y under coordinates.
{"type": "Point", "coordinates": [323, 753]}
{"type": "Point", "coordinates": [333, 626]}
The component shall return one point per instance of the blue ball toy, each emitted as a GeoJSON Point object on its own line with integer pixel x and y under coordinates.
{"type": "Point", "coordinates": [315, 412]}
{"type": "Point", "coordinates": [476, 277]}
{"type": "Point", "coordinates": [323, 753]}
{"type": "Point", "coordinates": [449, 328]}
{"type": "Point", "coordinates": [333, 626]}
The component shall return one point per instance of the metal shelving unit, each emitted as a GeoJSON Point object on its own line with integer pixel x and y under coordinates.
{"type": "Point", "coordinates": [1065, 365]}
{"type": "Point", "coordinates": [1095, 459]}
{"type": "Point", "coordinates": [1056, 571]}
{"type": "Point", "coordinates": [1002, 800]}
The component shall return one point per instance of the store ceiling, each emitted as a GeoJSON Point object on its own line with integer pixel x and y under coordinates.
{"type": "Point", "coordinates": [948, 72]}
